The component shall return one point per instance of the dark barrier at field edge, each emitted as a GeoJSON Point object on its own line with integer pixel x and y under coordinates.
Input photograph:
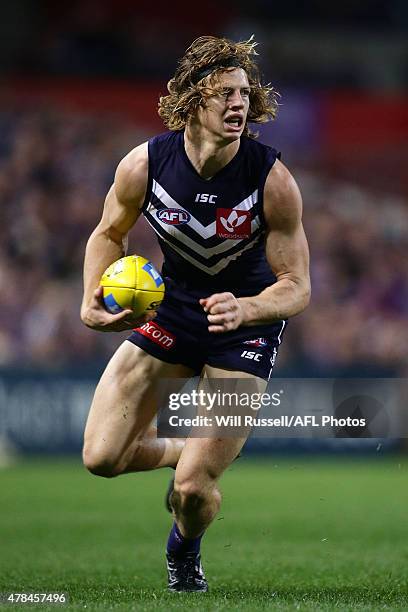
{"type": "Point", "coordinates": [46, 414]}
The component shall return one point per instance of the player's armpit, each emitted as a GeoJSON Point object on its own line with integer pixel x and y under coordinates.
{"type": "Point", "coordinates": [286, 251]}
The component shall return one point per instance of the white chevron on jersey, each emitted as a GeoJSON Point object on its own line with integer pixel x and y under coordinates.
{"type": "Point", "coordinates": [225, 245]}
{"type": "Point", "coordinates": [220, 265]}
{"type": "Point", "coordinates": [206, 231]}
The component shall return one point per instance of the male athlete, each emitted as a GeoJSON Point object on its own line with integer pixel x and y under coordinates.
{"type": "Point", "coordinates": [235, 268]}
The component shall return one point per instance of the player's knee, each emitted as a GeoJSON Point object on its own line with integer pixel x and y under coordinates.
{"type": "Point", "coordinates": [190, 496]}
{"type": "Point", "coordinates": [187, 497]}
{"type": "Point", "coordinates": [99, 464]}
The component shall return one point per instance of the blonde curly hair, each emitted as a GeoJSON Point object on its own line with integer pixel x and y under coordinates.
{"type": "Point", "coordinates": [195, 81]}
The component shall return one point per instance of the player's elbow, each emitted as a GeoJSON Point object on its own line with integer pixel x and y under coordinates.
{"type": "Point", "coordinates": [305, 294]}
{"type": "Point", "coordinates": [119, 238]}
{"type": "Point", "coordinates": [299, 291]}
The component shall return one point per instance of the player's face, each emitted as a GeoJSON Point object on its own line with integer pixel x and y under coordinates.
{"type": "Point", "coordinates": [225, 114]}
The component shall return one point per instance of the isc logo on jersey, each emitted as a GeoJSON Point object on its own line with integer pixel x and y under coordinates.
{"type": "Point", "coordinates": [173, 216]}
{"type": "Point", "coordinates": [206, 197]}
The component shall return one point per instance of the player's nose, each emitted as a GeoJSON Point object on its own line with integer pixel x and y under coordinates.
{"type": "Point", "coordinates": [236, 101]}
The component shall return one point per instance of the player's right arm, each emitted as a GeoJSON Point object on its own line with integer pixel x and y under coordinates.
{"type": "Point", "coordinates": [108, 241]}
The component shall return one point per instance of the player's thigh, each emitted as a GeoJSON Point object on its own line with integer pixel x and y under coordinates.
{"type": "Point", "coordinates": [212, 372]}
{"type": "Point", "coordinates": [125, 400]}
{"type": "Point", "coordinates": [203, 460]}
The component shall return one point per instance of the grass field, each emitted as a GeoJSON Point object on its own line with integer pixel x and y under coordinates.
{"type": "Point", "coordinates": [292, 534]}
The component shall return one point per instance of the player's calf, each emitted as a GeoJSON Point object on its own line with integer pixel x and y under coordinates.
{"type": "Point", "coordinates": [195, 505]}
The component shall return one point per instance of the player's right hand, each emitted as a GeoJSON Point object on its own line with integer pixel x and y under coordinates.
{"type": "Point", "coordinates": [95, 316]}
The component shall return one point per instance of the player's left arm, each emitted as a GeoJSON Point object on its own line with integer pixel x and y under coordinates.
{"type": "Point", "coordinates": [288, 256]}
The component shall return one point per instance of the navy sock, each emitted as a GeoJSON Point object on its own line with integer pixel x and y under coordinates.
{"type": "Point", "coordinates": [178, 545]}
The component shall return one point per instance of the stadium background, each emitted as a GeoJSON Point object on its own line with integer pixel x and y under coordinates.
{"type": "Point", "coordinates": [80, 84]}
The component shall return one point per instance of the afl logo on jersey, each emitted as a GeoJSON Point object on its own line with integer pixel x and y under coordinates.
{"type": "Point", "coordinates": [173, 216]}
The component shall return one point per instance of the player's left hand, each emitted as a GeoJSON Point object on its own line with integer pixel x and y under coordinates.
{"type": "Point", "coordinates": [224, 312]}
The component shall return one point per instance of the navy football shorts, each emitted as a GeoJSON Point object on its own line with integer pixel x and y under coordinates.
{"type": "Point", "coordinates": [179, 334]}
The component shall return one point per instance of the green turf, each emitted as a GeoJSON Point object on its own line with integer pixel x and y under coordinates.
{"type": "Point", "coordinates": [291, 535]}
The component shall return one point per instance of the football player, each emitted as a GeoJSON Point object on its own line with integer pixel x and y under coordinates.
{"type": "Point", "coordinates": [227, 214]}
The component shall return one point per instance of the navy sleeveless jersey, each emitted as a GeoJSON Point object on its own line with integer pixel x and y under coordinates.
{"type": "Point", "coordinates": [211, 231]}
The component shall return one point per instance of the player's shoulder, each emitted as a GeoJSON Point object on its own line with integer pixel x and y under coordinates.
{"type": "Point", "coordinates": [282, 199]}
{"type": "Point", "coordinates": [132, 173]}
{"type": "Point", "coordinates": [258, 149]}
{"type": "Point", "coordinates": [166, 138]}
{"type": "Point", "coordinates": [135, 161]}
{"type": "Point", "coordinates": [280, 180]}
{"type": "Point", "coordinates": [165, 144]}
{"type": "Point", "coordinates": [254, 143]}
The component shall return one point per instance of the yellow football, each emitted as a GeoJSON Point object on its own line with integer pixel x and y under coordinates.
{"type": "Point", "coordinates": [132, 282]}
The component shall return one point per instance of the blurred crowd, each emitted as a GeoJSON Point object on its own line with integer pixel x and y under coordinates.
{"type": "Point", "coordinates": [356, 323]}
{"type": "Point", "coordinates": [359, 44]}
{"type": "Point", "coordinates": [55, 169]}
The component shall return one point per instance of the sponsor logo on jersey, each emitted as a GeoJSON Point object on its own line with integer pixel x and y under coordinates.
{"type": "Point", "coordinates": [157, 334]}
{"type": "Point", "coordinates": [233, 223]}
{"type": "Point", "coordinates": [257, 342]}
{"type": "Point", "coordinates": [205, 197]}
{"type": "Point", "coordinates": [173, 216]}
{"type": "Point", "coordinates": [151, 270]}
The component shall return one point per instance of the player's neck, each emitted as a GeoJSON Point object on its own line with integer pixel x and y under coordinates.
{"type": "Point", "coordinates": [206, 156]}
